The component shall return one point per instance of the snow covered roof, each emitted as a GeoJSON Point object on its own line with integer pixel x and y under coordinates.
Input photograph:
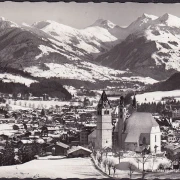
{"type": "Point", "coordinates": [65, 146]}
{"type": "Point", "coordinates": [76, 148]}
{"type": "Point", "coordinates": [92, 135]}
{"type": "Point", "coordinates": [138, 123]}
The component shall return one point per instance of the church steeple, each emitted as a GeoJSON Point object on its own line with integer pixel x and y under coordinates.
{"type": "Point", "coordinates": [104, 123]}
{"type": "Point", "coordinates": [104, 102]}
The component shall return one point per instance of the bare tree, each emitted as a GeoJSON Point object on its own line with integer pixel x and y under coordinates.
{"type": "Point", "coordinates": [131, 170]}
{"type": "Point", "coordinates": [114, 167]}
{"type": "Point", "coordinates": [101, 152]}
{"type": "Point", "coordinates": [120, 152]}
{"type": "Point", "coordinates": [138, 161]}
{"type": "Point", "coordinates": [109, 165]}
{"type": "Point", "coordinates": [143, 159]}
{"type": "Point", "coordinates": [105, 161]}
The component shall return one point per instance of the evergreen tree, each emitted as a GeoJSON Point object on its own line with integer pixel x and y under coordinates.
{"type": "Point", "coordinates": [8, 155]}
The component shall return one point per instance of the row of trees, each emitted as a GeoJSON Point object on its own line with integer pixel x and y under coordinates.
{"type": "Point", "coordinates": [46, 86]}
{"type": "Point", "coordinates": [151, 107]}
{"type": "Point", "coordinates": [111, 163]}
{"type": "Point", "coordinates": [23, 154]}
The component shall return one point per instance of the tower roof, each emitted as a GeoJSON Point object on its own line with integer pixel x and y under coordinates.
{"type": "Point", "coordinates": [104, 102]}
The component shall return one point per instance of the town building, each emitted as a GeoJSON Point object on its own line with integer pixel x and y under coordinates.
{"type": "Point", "coordinates": [78, 151]}
{"type": "Point", "coordinates": [58, 148]}
{"type": "Point", "coordinates": [140, 129]}
{"type": "Point", "coordinates": [137, 131]}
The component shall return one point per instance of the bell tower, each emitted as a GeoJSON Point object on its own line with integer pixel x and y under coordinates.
{"type": "Point", "coordinates": [104, 123]}
{"type": "Point", "coordinates": [121, 122]}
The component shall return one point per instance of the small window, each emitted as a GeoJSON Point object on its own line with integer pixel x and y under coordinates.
{"type": "Point", "coordinates": [121, 116]}
{"type": "Point", "coordinates": [155, 138]}
{"type": "Point", "coordinates": [106, 112]}
{"type": "Point", "coordinates": [99, 112]}
{"type": "Point", "coordinates": [121, 110]}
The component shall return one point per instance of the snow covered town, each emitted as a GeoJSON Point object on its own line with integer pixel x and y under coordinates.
{"type": "Point", "coordinates": [89, 90]}
{"type": "Point", "coordinates": [106, 135]}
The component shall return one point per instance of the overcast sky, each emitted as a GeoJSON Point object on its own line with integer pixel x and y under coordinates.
{"type": "Point", "coordinates": [80, 15]}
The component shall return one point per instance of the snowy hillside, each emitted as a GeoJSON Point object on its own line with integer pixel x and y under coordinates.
{"type": "Point", "coordinates": [78, 42]}
{"type": "Point", "coordinates": [151, 47]}
{"type": "Point", "coordinates": [86, 71]}
{"type": "Point", "coordinates": [7, 77]}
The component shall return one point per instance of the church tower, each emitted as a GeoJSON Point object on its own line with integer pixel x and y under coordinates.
{"type": "Point", "coordinates": [121, 119]}
{"type": "Point", "coordinates": [104, 123]}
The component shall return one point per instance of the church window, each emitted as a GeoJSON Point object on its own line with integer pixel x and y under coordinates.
{"type": "Point", "coordinates": [106, 112]}
{"type": "Point", "coordinates": [121, 110]}
{"type": "Point", "coordinates": [121, 115]}
{"type": "Point", "coordinates": [155, 138]}
{"type": "Point", "coordinates": [99, 112]}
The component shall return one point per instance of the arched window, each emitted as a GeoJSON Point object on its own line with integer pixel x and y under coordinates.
{"type": "Point", "coordinates": [106, 112]}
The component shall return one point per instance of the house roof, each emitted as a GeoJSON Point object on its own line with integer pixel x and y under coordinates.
{"type": "Point", "coordinates": [62, 145]}
{"type": "Point", "coordinates": [138, 123]}
{"type": "Point", "coordinates": [65, 146]}
{"type": "Point", "coordinates": [76, 148]}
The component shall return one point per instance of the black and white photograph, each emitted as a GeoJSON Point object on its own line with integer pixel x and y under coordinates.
{"type": "Point", "coordinates": [89, 90]}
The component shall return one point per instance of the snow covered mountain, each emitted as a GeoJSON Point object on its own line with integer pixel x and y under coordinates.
{"type": "Point", "coordinates": [152, 47]}
{"type": "Point", "coordinates": [48, 49]}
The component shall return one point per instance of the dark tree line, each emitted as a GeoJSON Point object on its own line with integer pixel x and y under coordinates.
{"type": "Point", "coordinates": [24, 154]}
{"type": "Point", "coordinates": [46, 86]}
{"type": "Point", "coordinates": [151, 107]}
{"type": "Point", "coordinates": [156, 107]}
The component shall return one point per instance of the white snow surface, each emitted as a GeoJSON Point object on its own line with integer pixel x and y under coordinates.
{"type": "Point", "coordinates": [156, 96]}
{"type": "Point", "coordinates": [81, 168]}
{"type": "Point", "coordinates": [7, 77]}
{"type": "Point", "coordinates": [45, 51]}
{"type": "Point", "coordinates": [85, 71]}
{"type": "Point", "coordinates": [89, 39]}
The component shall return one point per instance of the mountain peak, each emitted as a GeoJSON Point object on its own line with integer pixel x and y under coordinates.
{"type": "Point", "coordinates": [2, 19]}
{"type": "Point", "coordinates": [170, 20]}
{"type": "Point", "coordinates": [104, 23]}
{"type": "Point", "coordinates": [149, 16]}
{"type": "Point", "coordinates": [6, 24]}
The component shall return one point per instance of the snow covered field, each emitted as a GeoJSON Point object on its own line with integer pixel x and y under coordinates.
{"type": "Point", "coordinates": [63, 168]}
{"type": "Point", "coordinates": [157, 96]}
{"type": "Point", "coordinates": [7, 77]}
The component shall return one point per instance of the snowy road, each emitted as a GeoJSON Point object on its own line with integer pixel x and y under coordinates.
{"type": "Point", "coordinates": [62, 168]}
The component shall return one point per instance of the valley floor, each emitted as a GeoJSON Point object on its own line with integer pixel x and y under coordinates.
{"type": "Point", "coordinates": [56, 168]}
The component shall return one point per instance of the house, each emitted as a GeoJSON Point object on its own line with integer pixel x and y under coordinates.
{"type": "Point", "coordinates": [78, 151]}
{"type": "Point", "coordinates": [175, 124]}
{"type": "Point", "coordinates": [58, 148]}
{"type": "Point", "coordinates": [176, 113]}
{"type": "Point", "coordinates": [171, 138]}
{"type": "Point", "coordinates": [172, 151]}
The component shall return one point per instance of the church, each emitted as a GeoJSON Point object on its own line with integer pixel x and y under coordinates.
{"type": "Point", "coordinates": [139, 130]}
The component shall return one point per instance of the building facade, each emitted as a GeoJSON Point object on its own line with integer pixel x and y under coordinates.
{"type": "Point", "coordinates": [104, 123]}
